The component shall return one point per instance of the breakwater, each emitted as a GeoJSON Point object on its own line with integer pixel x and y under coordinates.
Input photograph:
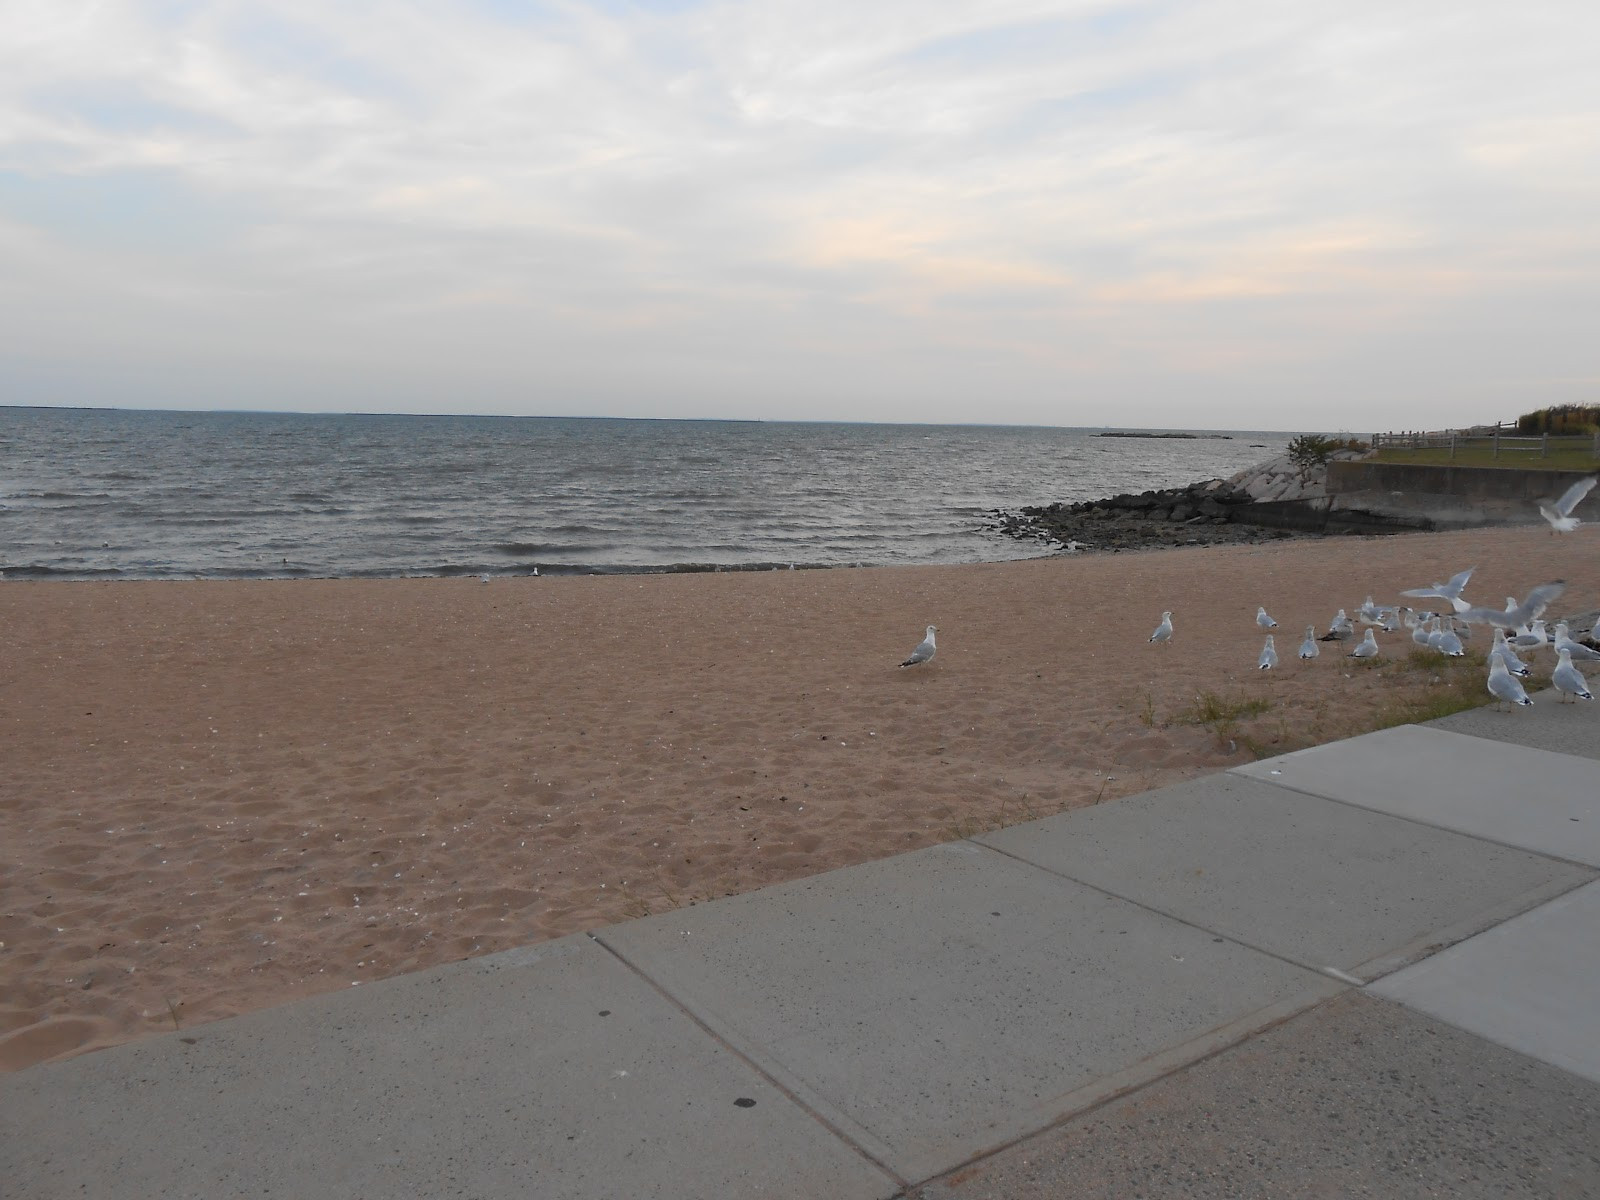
{"type": "Point", "coordinates": [1274, 499]}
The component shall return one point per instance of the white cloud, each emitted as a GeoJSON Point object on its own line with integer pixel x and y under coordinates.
{"type": "Point", "coordinates": [787, 209]}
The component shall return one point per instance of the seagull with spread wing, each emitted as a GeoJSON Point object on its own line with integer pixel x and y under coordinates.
{"type": "Point", "coordinates": [1529, 611]}
{"type": "Point", "coordinates": [1450, 591]}
{"type": "Point", "coordinates": [1559, 512]}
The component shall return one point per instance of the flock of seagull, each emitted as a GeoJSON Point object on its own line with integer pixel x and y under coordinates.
{"type": "Point", "coordinates": [1519, 626]}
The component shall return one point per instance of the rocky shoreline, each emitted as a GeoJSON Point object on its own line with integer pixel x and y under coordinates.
{"type": "Point", "coordinates": [1202, 514]}
{"type": "Point", "coordinates": [1246, 508]}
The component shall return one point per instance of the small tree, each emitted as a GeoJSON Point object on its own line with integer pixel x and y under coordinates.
{"type": "Point", "coordinates": [1311, 450]}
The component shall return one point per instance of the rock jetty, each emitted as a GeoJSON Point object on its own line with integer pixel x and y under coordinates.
{"type": "Point", "coordinates": [1211, 512]}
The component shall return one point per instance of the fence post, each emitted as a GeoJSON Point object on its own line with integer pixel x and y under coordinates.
{"type": "Point", "coordinates": [1544, 444]}
{"type": "Point", "coordinates": [1496, 453]}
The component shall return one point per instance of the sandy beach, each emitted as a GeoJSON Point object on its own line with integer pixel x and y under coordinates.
{"type": "Point", "coordinates": [220, 796]}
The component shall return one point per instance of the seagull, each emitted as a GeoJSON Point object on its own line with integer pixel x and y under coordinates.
{"type": "Point", "coordinates": [1568, 680]}
{"type": "Point", "coordinates": [924, 651]}
{"type": "Point", "coordinates": [1443, 639]}
{"type": "Point", "coordinates": [1422, 635]}
{"type": "Point", "coordinates": [1377, 614]}
{"type": "Point", "coordinates": [1502, 649]}
{"type": "Point", "coordinates": [1559, 514]}
{"type": "Point", "coordinates": [1309, 648]}
{"type": "Point", "coordinates": [1531, 638]}
{"type": "Point", "coordinates": [1339, 629]}
{"type": "Point", "coordinates": [1450, 591]}
{"type": "Point", "coordinates": [1264, 621]}
{"type": "Point", "coordinates": [1367, 649]}
{"type": "Point", "coordinates": [1163, 631]}
{"type": "Point", "coordinates": [1580, 652]}
{"type": "Point", "coordinates": [1504, 688]}
{"type": "Point", "coordinates": [1269, 656]}
{"type": "Point", "coordinates": [1539, 599]}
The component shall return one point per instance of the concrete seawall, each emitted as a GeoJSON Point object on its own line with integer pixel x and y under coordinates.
{"type": "Point", "coordinates": [1449, 497]}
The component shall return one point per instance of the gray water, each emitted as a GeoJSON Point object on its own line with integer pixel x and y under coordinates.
{"type": "Point", "coordinates": [95, 494]}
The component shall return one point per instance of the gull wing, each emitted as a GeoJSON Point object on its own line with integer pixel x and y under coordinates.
{"type": "Point", "coordinates": [1573, 496]}
{"type": "Point", "coordinates": [1539, 599]}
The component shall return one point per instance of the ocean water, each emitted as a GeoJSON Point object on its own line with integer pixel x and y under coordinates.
{"type": "Point", "coordinates": [96, 494]}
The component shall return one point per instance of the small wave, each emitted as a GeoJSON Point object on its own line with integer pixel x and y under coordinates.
{"type": "Point", "coordinates": [527, 548]}
{"type": "Point", "coordinates": [43, 571]}
{"type": "Point", "coordinates": [61, 495]}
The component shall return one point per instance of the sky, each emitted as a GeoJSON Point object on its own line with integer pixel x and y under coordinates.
{"type": "Point", "coordinates": [1206, 214]}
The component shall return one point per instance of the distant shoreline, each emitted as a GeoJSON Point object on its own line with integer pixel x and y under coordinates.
{"type": "Point", "coordinates": [1192, 437]}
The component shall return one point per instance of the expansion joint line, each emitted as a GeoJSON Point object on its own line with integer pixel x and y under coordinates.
{"type": "Point", "coordinates": [901, 1182]}
{"type": "Point", "coordinates": [1325, 971]}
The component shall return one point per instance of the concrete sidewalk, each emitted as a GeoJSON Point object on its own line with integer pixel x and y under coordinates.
{"type": "Point", "coordinates": [1366, 968]}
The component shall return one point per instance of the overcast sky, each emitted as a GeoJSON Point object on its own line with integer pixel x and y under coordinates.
{"type": "Point", "coordinates": [1220, 213]}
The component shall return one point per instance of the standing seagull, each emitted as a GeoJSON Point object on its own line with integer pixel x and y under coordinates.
{"type": "Point", "coordinates": [1504, 688]}
{"type": "Point", "coordinates": [1532, 638]}
{"type": "Point", "coordinates": [1263, 620]}
{"type": "Point", "coordinates": [1269, 656]}
{"type": "Point", "coordinates": [1339, 629]}
{"type": "Point", "coordinates": [1502, 649]}
{"type": "Point", "coordinates": [924, 651]}
{"type": "Point", "coordinates": [1559, 514]}
{"type": "Point", "coordinates": [1580, 652]}
{"type": "Point", "coordinates": [1367, 649]}
{"type": "Point", "coordinates": [1569, 681]}
{"type": "Point", "coordinates": [1309, 648]}
{"type": "Point", "coordinates": [1163, 631]}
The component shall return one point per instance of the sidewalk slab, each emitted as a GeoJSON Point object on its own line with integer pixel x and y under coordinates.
{"type": "Point", "coordinates": [1356, 1097]}
{"type": "Point", "coordinates": [1321, 883]}
{"type": "Point", "coordinates": [553, 1071]}
{"type": "Point", "coordinates": [1540, 801]}
{"type": "Point", "coordinates": [1548, 725]}
{"type": "Point", "coordinates": [941, 1003]}
{"type": "Point", "coordinates": [1532, 984]}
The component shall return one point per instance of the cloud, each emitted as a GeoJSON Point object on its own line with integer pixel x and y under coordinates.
{"type": "Point", "coordinates": [772, 208]}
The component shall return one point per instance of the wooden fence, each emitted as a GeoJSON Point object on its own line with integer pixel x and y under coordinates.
{"type": "Point", "coordinates": [1496, 437]}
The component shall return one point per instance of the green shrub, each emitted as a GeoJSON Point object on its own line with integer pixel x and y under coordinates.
{"type": "Point", "coordinates": [1562, 419]}
{"type": "Point", "coordinates": [1315, 449]}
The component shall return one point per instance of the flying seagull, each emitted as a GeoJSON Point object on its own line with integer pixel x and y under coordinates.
{"type": "Point", "coordinates": [1450, 591]}
{"type": "Point", "coordinates": [1530, 610]}
{"type": "Point", "coordinates": [924, 651]}
{"type": "Point", "coordinates": [1559, 513]}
